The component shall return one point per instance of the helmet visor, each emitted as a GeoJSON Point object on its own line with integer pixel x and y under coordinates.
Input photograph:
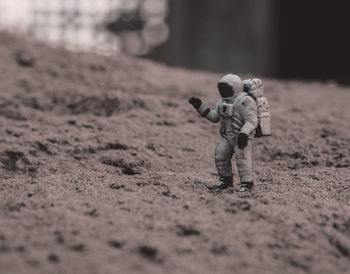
{"type": "Point", "coordinates": [225, 90]}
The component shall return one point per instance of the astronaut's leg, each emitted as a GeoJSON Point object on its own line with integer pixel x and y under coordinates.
{"type": "Point", "coordinates": [223, 155]}
{"type": "Point", "coordinates": [244, 161]}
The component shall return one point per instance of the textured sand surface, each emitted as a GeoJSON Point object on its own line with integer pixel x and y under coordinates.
{"type": "Point", "coordinates": [105, 166]}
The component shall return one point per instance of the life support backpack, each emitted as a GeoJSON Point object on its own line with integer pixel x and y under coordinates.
{"type": "Point", "coordinates": [254, 87]}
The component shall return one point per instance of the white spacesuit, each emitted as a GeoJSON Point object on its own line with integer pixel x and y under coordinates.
{"type": "Point", "coordinates": [237, 112]}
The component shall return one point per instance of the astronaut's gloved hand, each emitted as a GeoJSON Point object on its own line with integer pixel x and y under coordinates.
{"type": "Point", "coordinates": [242, 140]}
{"type": "Point", "coordinates": [195, 102]}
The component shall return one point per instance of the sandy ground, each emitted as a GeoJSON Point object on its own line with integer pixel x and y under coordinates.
{"type": "Point", "coordinates": [105, 166]}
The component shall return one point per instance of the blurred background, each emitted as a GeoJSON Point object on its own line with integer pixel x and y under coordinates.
{"type": "Point", "coordinates": [281, 39]}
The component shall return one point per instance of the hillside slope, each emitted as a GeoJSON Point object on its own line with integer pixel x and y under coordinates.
{"type": "Point", "coordinates": [105, 166]}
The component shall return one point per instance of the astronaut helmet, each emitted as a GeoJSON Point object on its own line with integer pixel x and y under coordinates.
{"type": "Point", "coordinates": [230, 85]}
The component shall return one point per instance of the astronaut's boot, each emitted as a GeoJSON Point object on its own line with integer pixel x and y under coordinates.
{"type": "Point", "coordinates": [246, 186]}
{"type": "Point", "coordinates": [224, 182]}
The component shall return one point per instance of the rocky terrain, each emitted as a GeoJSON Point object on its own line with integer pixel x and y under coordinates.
{"type": "Point", "coordinates": [104, 168]}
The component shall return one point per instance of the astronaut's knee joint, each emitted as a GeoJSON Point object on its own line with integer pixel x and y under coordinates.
{"type": "Point", "coordinates": [239, 154]}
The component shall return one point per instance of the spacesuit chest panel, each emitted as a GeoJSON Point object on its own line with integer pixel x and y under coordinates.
{"type": "Point", "coordinates": [226, 109]}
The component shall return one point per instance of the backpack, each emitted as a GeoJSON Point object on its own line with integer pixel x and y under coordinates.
{"type": "Point", "coordinates": [254, 87]}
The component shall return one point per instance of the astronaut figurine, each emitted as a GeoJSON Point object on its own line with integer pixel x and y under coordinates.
{"type": "Point", "coordinates": [238, 114]}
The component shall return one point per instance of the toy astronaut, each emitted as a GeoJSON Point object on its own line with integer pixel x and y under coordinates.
{"type": "Point", "coordinates": [238, 112]}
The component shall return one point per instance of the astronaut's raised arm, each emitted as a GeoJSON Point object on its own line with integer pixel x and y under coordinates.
{"type": "Point", "coordinates": [249, 112]}
{"type": "Point", "coordinates": [211, 114]}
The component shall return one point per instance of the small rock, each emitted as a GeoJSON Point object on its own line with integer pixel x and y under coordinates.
{"type": "Point", "coordinates": [78, 247]}
{"type": "Point", "coordinates": [187, 231]}
{"type": "Point", "coordinates": [24, 59]}
{"type": "Point", "coordinates": [149, 253]}
{"type": "Point", "coordinates": [116, 244]}
{"type": "Point", "coordinates": [53, 258]}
